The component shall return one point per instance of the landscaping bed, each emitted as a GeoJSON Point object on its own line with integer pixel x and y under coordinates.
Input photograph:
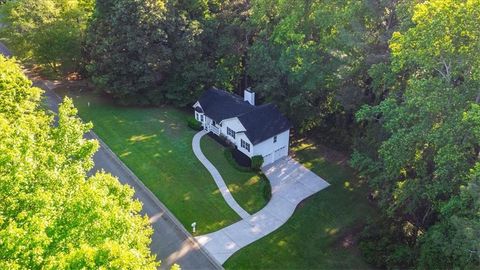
{"type": "Point", "coordinates": [156, 144]}
{"type": "Point", "coordinates": [251, 189]}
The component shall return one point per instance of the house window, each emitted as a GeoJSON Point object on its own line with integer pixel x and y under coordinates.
{"type": "Point", "coordinates": [275, 139]}
{"type": "Point", "coordinates": [245, 145]}
{"type": "Point", "coordinates": [213, 122]}
{"type": "Point", "coordinates": [231, 132]}
{"type": "Point", "coordinates": [201, 118]}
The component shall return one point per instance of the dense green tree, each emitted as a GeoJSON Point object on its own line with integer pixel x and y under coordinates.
{"type": "Point", "coordinates": [209, 42]}
{"type": "Point", "coordinates": [313, 59]}
{"type": "Point", "coordinates": [50, 32]}
{"type": "Point", "coordinates": [127, 49]}
{"type": "Point", "coordinates": [192, 71]}
{"type": "Point", "coordinates": [52, 216]}
{"type": "Point", "coordinates": [429, 147]}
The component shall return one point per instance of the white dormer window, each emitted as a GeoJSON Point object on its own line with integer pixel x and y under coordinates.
{"type": "Point", "coordinates": [275, 139]}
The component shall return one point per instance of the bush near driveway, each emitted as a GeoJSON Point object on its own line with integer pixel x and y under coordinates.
{"type": "Point", "coordinates": [246, 186]}
{"type": "Point", "coordinates": [257, 162]}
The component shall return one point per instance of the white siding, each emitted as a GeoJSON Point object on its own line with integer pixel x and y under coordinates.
{"type": "Point", "coordinates": [242, 136]}
{"type": "Point", "coordinates": [273, 151]}
{"type": "Point", "coordinates": [235, 125]}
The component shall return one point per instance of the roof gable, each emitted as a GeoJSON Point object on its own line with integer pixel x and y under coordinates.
{"type": "Point", "coordinates": [264, 122]}
{"type": "Point", "coordinates": [220, 105]}
{"type": "Point", "coordinates": [260, 122]}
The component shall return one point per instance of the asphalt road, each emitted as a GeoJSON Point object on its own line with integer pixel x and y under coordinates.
{"type": "Point", "coordinates": [4, 50]}
{"type": "Point", "coordinates": [170, 241]}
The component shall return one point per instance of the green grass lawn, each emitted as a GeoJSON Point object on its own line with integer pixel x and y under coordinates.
{"type": "Point", "coordinates": [155, 143]}
{"type": "Point", "coordinates": [246, 187]}
{"type": "Point", "coordinates": [322, 232]}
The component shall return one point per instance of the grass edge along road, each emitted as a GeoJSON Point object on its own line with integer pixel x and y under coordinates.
{"type": "Point", "coordinates": [155, 143]}
{"type": "Point", "coordinates": [320, 234]}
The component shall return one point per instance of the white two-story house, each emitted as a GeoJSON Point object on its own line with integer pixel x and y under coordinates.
{"type": "Point", "coordinates": [254, 130]}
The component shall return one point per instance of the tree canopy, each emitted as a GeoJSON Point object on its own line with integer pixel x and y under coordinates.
{"type": "Point", "coordinates": [431, 148]}
{"type": "Point", "coordinates": [50, 32]}
{"type": "Point", "coordinates": [52, 216]}
{"type": "Point", "coordinates": [395, 82]}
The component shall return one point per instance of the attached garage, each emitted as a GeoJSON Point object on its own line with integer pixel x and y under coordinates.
{"type": "Point", "coordinates": [275, 155]}
{"type": "Point", "coordinates": [268, 159]}
{"type": "Point", "coordinates": [279, 153]}
{"type": "Point", "coordinates": [255, 130]}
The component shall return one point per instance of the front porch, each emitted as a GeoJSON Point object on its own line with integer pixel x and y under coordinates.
{"type": "Point", "coordinates": [215, 130]}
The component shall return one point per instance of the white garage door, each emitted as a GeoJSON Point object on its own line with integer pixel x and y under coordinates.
{"type": "Point", "coordinates": [268, 159]}
{"type": "Point", "coordinates": [279, 153]}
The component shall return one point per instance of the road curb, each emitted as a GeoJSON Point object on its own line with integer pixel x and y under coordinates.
{"type": "Point", "coordinates": [157, 201]}
{"type": "Point", "coordinates": [169, 214]}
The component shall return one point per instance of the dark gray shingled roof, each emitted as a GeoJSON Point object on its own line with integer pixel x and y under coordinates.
{"type": "Point", "coordinates": [262, 122]}
{"type": "Point", "coordinates": [218, 104]}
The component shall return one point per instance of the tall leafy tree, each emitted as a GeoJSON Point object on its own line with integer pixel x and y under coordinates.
{"type": "Point", "coordinates": [127, 49]}
{"type": "Point", "coordinates": [304, 52]}
{"type": "Point", "coordinates": [430, 147]}
{"type": "Point", "coordinates": [52, 216]}
{"type": "Point", "coordinates": [192, 71]}
{"type": "Point", "coordinates": [49, 32]}
{"type": "Point", "coordinates": [209, 42]}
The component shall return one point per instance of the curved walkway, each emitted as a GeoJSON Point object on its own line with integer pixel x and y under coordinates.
{"type": "Point", "coordinates": [171, 243]}
{"type": "Point", "coordinates": [216, 176]}
{"type": "Point", "coordinates": [291, 184]}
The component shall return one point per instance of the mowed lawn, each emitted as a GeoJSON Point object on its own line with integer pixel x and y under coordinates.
{"type": "Point", "coordinates": [155, 143]}
{"type": "Point", "coordinates": [322, 232]}
{"type": "Point", "coordinates": [245, 187]}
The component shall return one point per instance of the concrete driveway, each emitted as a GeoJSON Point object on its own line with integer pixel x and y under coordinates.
{"type": "Point", "coordinates": [291, 184]}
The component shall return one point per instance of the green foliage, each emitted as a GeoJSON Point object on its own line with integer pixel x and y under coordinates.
{"type": "Point", "coordinates": [194, 124]}
{"type": "Point", "coordinates": [50, 32]}
{"type": "Point", "coordinates": [267, 188]}
{"type": "Point", "coordinates": [383, 246]}
{"type": "Point", "coordinates": [52, 215]}
{"type": "Point", "coordinates": [126, 49]}
{"type": "Point", "coordinates": [426, 139]}
{"type": "Point", "coordinates": [257, 162]}
{"type": "Point", "coordinates": [305, 51]}
{"type": "Point", "coordinates": [453, 242]}
{"type": "Point", "coordinates": [229, 157]}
